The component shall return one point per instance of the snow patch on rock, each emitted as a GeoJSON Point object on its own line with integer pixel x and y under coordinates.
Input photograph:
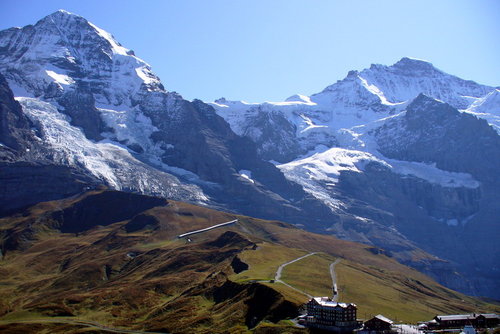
{"type": "Point", "coordinates": [246, 174]}
{"type": "Point", "coordinates": [62, 79]}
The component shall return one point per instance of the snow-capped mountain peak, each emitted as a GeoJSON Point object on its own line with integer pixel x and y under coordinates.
{"type": "Point", "coordinates": [84, 73]}
{"type": "Point", "coordinates": [415, 65]}
{"type": "Point", "coordinates": [66, 22]}
{"type": "Point", "coordinates": [64, 50]}
{"type": "Point", "coordinates": [123, 127]}
{"type": "Point", "coordinates": [299, 98]}
{"type": "Point", "coordinates": [404, 80]}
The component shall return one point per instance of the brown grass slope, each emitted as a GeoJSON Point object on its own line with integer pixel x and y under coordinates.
{"type": "Point", "coordinates": [115, 259]}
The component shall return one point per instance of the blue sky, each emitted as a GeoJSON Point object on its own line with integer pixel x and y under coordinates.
{"type": "Point", "coordinates": [271, 49]}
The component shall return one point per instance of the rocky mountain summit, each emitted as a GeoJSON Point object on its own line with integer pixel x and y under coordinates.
{"type": "Point", "coordinates": [402, 157]}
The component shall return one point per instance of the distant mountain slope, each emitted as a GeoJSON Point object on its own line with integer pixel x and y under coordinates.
{"type": "Point", "coordinates": [114, 258]}
{"type": "Point", "coordinates": [488, 108]}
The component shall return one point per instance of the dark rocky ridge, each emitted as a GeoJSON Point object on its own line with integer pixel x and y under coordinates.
{"type": "Point", "coordinates": [16, 136]}
{"type": "Point", "coordinates": [103, 209]}
{"type": "Point", "coordinates": [26, 183]}
{"type": "Point", "coordinates": [436, 132]}
{"type": "Point", "coordinates": [204, 144]}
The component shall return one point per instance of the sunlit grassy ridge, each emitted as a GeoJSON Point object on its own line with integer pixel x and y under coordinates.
{"type": "Point", "coordinates": [398, 296]}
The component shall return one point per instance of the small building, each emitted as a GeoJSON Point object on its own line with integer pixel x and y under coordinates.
{"type": "Point", "coordinates": [458, 321]}
{"type": "Point", "coordinates": [378, 323]}
{"type": "Point", "coordinates": [324, 313]}
{"type": "Point", "coordinates": [487, 320]}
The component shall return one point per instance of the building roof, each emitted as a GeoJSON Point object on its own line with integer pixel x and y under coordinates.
{"type": "Point", "coordinates": [384, 319]}
{"type": "Point", "coordinates": [455, 317]}
{"type": "Point", "coordinates": [328, 302]}
{"type": "Point", "coordinates": [466, 316]}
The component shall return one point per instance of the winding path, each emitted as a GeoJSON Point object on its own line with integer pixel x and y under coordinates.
{"type": "Point", "coordinates": [334, 280]}
{"type": "Point", "coordinates": [277, 277]}
{"type": "Point", "coordinates": [280, 268]}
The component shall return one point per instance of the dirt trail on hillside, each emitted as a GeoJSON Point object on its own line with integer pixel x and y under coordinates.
{"type": "Point", "coordinates": [334, 281]}
{"type": "Point", "coordinates": [277, 277]}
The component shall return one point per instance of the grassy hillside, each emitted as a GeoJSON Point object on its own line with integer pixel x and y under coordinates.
{"type": "Point", "coordinates": [120, 264]}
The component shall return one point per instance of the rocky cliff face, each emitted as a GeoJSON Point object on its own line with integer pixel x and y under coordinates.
{"type": "Point", "coordinates": [274, 135]}
{"type": "Point", "coordinates": [435, 132]}
{"type": "Point", "coordinates": [16, 137]}
{"type": "Point", "coordinates": [422, 213]}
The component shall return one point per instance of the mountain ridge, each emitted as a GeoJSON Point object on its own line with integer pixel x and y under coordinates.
{"type": "Point", "coordinates": [99, 111]}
